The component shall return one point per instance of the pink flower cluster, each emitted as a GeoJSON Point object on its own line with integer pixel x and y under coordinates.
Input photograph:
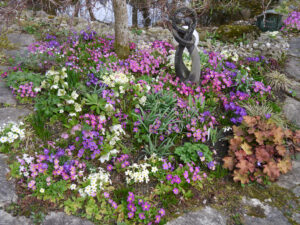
{"type": "Point", "coordinates": [25, 90]}
{"type": "Point", "coordinates": [292, 22]}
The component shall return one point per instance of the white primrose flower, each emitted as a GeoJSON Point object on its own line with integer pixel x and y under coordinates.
{"type": "Point", "coordinates": [73, 186]}
{"type": "Point", "coordinates": [37, 89]}
{"type": "Point", "coordinates": [74, 95]}
{"type": "Point", "coordinates": [142, 100]}
{"type": "Point", "coordinates": [42, 190]}
{"type": "Point", "coordinates": [61, 111]}
{"type": "Point", "coordinates": [77, 107]}
{"type": "Point", "coordinates": [70, 101]}
{"type": "Point", "coordinates": [109, 107]}
{"type": "Point", "coordinates": [56, 79]}
{"type": "Point", "coordinates": [72, 114]}
{"type": "Point", "coordinates": [61, 92]}
{"type": "Point", "coordinates": [55, 86]}
{"type": "Point", "coordinates": [3, 139]}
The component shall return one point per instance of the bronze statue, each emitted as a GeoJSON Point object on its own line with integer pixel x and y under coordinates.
{"type": "Point", "coordinates": [188, 18]}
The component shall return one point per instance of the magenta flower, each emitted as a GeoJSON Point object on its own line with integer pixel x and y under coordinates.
{"type": "Point", "coordinates": [169, 177]}
{"type": "Point", "coordinates": [130, 215]}
{"type": "Point", "coordinates": [146, 206]}
{"type": "Point", "coordinates": [140, 201]}
{"type": "Point", "coordinates": [157, 218]}
{"type": "Point", "coordinates": [106, 195]}
{"type": "Point", "coordinates": [142, 216]}
{"type": "Point", "coordinates": [175, 191]}
{"type": "Point", "coordinates": [162, 212]}
{"type": "Point", "coordinates": [109, 167]}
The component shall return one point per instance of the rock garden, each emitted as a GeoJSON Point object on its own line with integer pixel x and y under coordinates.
{"type": "Point", "coordinates": [90, 138]}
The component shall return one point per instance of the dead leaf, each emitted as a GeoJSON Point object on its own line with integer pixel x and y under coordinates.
{"type": "Point", "coordinates": [247, 148]}
{"type": "Point", "coordinates": [261, 154]}
{"type": "Point", "coordinates": [228, 162]}
{"type": "Point", "coordinates": [271, 170]}
{"type": "Point", "coordinates": [281, 150]}
{"type": "Point", "coordinates": [284, 165]}
{"type": "Point", "coordinates": [237, 176]}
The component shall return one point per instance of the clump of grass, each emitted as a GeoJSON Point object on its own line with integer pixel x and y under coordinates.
{"type": "Point", "coordinates": [278, 81]}
{"type": "Point", "coordinates": [263, 111]}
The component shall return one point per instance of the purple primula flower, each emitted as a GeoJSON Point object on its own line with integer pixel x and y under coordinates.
{"type": "Point", "coordinates": [268, 115]}
{"type": "Point", "coordinates": [142, 216]}
{"type": "Point", "coordinates": [157, 218]}
{"type": "Point", "coordinates": [146, 206]}
{"type": "Point", "coordinates": [175, 191]}
{"type": "Point", "coordinates": [169, 177]}
{"type": "Point", "coordinates": [162, 212]}
{"type": "Point", "coordinates": [130, 215]}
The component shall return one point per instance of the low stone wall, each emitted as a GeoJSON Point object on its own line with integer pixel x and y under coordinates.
{"type": "Point", "coordinates": [267, 44]}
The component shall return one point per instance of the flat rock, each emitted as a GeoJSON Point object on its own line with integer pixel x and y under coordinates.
{"type": "Point", "coordinates": [294, 49]}
{"type": "Point", "coordinates": [17, 52]}
{"type": "Point", "coordinates": [206, 216]}
{"type": "Point", "coordinates": [12, 114]}
{"type": "Point", "coordinates": [7, 219]}
{"type": "Point", "coordinates": [60, 218]}
{"type": "Point", "coordinates": [291, 110]}
{"type": "Point", "coordinates": [7, 188]}
{"type": "Point", "coordinates": [20, 39]}
{"type": "Point", "coordinates": [3, 68]}
{"type": "Point", "coordinates": [291, 180]}
{"type": "Point", "coordinates": [292, 66]}
{"type": "Point", "coordinates": [273, 216]}
{"type": "Point", "coordinates": [6, 97]}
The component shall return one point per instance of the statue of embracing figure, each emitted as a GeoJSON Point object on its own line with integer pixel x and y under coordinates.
{"type": "Point", "coordinates": [183, 34]}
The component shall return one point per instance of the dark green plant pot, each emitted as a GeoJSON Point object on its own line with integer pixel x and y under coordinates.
{"type": "Point", "coordinates": [273, 22]}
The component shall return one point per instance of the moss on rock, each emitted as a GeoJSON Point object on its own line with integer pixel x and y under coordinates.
{"type": "Point", "coordinates": [233, 32]}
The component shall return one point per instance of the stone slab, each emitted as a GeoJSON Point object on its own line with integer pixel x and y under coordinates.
{"type": "Point", "coordinates": [7, 219]}
{"type": "Point", "coordinates": [6, 97]}
{"type": "Point", "coordinates": [291, 180]}
{"type": "Point", "coordinates": [12, 114]}
{"type": "Point", "coordinates": [206, 216]}
{"type": "Point", "coordinates": [292, 67]}
{"type": "Point", "coordinates": [273, 216]}
{"type": "Point", "coordinates": [21, 39]}
{"type": "Point", "coordinates": [7, 188]}
{"type": "Point", "coordinates": [294, 49]}
{"type": "Point", "coordinates": [291, 109]}
{"type": "Point", "coordinates": [60, 218]}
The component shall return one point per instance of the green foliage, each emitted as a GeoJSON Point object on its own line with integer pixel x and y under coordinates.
{"type": "Point", "coordinates": [73, 78]}
{"type": "Point", "coordinates": [159, 108]}
{"type": "Point", "coordinates": [14, 169]}
{"type": "Point", "coordinates": [189, 152]}
{"type": "Point", "coordinates": [37, 217]}
{"type": "Point", "coordinates": [38, 122]}
{"type": "Point", "coordinates": [15, 79]}
{"type": "Point", "coordinates": [258, 151]}
{"type": "Point", "coordinates": [35, 62]}
{"type": "Point", "coordinates": [96, 104]}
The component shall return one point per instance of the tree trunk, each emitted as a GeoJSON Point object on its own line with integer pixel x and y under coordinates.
{"type": "Point", "coordinates": [146, 15]}
{"type": "Point", "coordinates": [134, 16]}
{"type": "Point", "coordinates": [121, 28]}
{"type": "Point", "coordinates": [89, 7]}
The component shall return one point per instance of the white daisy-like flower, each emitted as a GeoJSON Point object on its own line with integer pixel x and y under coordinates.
{"type": "Point", "coordinates": [74, 95]}
{"type": "Point", "coordinates": [61, 92]}
{"type": "Point", "coordinates": [3, 139]}
{"type": "Point", "coordinates": [42, 190]}
{"type": "Point", "coordinates": [73, 186]}
{"type": "Point", "coordinates": [55, 86]}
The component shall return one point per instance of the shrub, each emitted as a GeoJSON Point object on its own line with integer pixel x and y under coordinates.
{"type": "Point", "coordinates": [258, 151]}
